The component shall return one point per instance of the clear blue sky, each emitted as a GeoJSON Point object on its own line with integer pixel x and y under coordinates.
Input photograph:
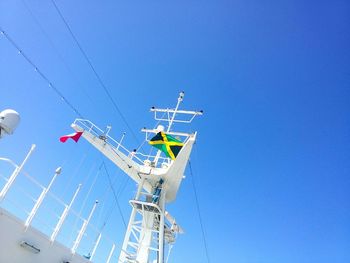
{"type": "Point", "coordinates": [272, 161]}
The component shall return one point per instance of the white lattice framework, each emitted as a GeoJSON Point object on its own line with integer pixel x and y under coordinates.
{"type": "Point", "coordinates": [150, 226]}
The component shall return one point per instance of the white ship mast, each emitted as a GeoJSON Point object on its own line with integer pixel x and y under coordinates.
{"type": "Point", "coordinates": [158, 178]}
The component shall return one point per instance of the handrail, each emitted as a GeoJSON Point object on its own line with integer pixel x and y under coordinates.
{"type": "Point", "coordinates": [12, 203]}
{"type": "Point", "coordinates": [96, 131]}
{"type": "Point", "coordinates": [9, 161]}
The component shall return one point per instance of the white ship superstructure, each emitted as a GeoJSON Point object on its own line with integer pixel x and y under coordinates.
{"type": "Point", "coordinates": [151, 230]}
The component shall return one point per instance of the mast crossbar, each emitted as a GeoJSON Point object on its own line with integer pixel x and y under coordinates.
{"type": "Point", "coordinates": [171, 114]}
{"type": "Point", "coordinates": [170, 133]}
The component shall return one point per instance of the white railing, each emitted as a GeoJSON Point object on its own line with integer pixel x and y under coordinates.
{"type": "Point", "coordinates": [23, 196]}
{"type": "Point", "coordinates": [139, 157]}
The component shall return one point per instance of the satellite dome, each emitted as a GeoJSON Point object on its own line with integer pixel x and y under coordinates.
{"type": "Point", "coordinates": [9, 120]}
{"type": "Point", "coordinates": [160, 128]}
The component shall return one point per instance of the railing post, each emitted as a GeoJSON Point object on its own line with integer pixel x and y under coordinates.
{"type": "Point", "coordinates": [40, 199]}
{"type": "Point", "coordinates": [15, 174]}
{"type": "Point", "coordinates": [120, 142]}
{"type": "Point", "coordinates": [95, 246]}
{"type": "Point", "coordinates": [83, 228]}
{"type": "Point", "coordinates": [110, 254]}
{"type": "Point", "coordinates": [179, 100]}
{"type": "Point", "coordinates": [63, 216]}
{"type": "Point", "coordinates": [108, 129]}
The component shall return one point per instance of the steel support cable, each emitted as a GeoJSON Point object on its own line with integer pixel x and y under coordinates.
{"type": "Point", "coordinates": [69, 70]}
{"type": "Point", "coordinates": [73, 175]}
{"type": "Point", "coordinates": [102, 212]}
{"type": "Point", "coordinates": [199, 212]}
{"type": "Point", "coordinates": [121, 188]}
{"type": "Point", "coordinates": [79, 214]}
{"type": "Point", "coordinates": [94, 71]}
{"type": "Point", "coordinates": [92, 185]}
{"type": "Point", "coordinates": [103, 198]}
{"type": "Point", "coordinates": [109, 210]}
{"type": "Point", "coordinates": [114, 194]}
{"type": "Point", "coordinates": [41, 74]}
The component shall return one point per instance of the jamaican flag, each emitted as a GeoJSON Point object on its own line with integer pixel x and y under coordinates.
{"type": "Point", "coordinates": [167, 144]}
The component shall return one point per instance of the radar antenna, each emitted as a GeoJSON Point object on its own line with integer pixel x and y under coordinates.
{"type": "Point", "coordinates": [9, 119]}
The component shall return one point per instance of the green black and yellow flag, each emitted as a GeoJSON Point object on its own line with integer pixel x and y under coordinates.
{"type": "Point", "coordinates": [167, 144]}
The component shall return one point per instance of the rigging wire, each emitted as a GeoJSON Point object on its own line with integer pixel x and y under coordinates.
{"type": "Point", "coordinates": [98, 77]}
{"type": "Point", "coordinates": [121, 188]}
{"type": "Point", "coordinates": [199, 212]}
{"type": "Point", "coordinates": [104, 197]}
{"type": "Point", "coordinates": [79, 214]}
{"type": "Point", "coordinates": [52, 44]}
{"type": "Point", "coordinates": [111, 209]}
{"type": "Point", "coordinates": [41, 73]}
{"type": "Point", "coordinates": [60, 94]}
{"type": "Point", "coordinates": [103, 201]}
{"type": "Point", "coordinates": [73, 175]}
{"type": "Point", "coordinates": [114, 194]}
{"type": "Point", "coordinates": [91, 186]}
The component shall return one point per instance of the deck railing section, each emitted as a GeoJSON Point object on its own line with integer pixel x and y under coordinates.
{"type": "Point", "coordinates": [22, 200]}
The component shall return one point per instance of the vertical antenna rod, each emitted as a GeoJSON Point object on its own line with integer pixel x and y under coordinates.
{"type": "Point", "coordinates": [179, 100]}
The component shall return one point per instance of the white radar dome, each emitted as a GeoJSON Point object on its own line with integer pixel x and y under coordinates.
{"type": "Point", "coordinates": [160, 128]}
{"type": "Point", "coordinates": [9, 120]}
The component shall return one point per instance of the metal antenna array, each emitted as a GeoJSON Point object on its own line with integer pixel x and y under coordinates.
{"type": "Point", "coordinates": [171, 113]}
{"type": "Point", "coordinates": [170, 119]}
